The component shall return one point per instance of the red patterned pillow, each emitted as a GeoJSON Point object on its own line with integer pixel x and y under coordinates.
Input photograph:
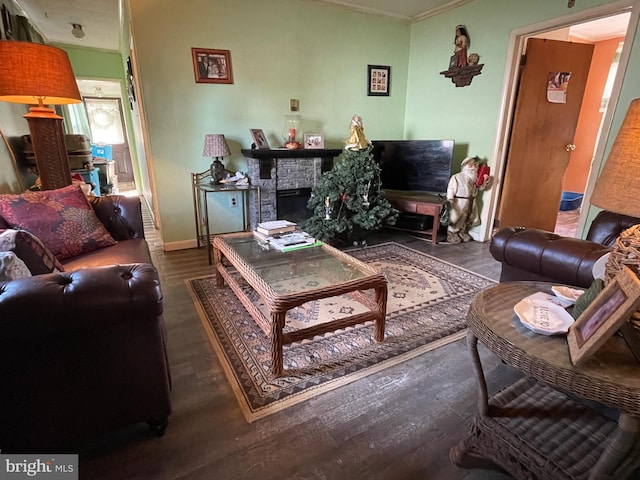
{"type": "Point", "coordinates": [62, 219]}
{"type": "Point", "coordinates": [30, 250]}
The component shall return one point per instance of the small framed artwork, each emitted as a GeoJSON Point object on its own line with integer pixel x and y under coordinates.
{"type": "Point", "coordinates": [313, 140]}
{"type": "Point", "coordinates": [604, 316]}
{"type": "Point", "coordinates": [212, 66]}
{"type": "Point", "coordinates": [379, 78]}
{"type": "Point", "coordinates": [259, 139]}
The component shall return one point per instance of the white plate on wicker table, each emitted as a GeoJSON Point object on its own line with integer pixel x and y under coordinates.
{"type": "Point", "coordinates": [549, 298]}
{"type": "Point", "coordinates": [567, 294]}
{"type": "Point", "coordinates": [543, 317]}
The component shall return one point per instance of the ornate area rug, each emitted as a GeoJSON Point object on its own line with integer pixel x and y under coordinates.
{"type": "Point", "coordinates": [426, 308]}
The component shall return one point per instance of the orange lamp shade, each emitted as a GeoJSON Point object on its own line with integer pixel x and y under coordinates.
{"type": "Point", "coordinates": [31, 73]}
{"type": "Point", "coordinates": [617, 188]}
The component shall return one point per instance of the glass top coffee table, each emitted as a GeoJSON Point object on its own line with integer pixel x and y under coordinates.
{"type": "Point", "coordinates": [323, 272]}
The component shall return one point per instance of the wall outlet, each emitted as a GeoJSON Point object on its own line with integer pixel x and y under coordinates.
{"type": "Point", "coordinates": [233, 200]}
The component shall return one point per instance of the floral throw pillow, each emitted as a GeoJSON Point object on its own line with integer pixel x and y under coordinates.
{"type": "Point", "coordinates": [30, 250]}
{"type": "Point", "coordinates": [62, 219]}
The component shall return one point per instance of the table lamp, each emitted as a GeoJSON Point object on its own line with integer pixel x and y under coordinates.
{"type": "Point", "coordinates": [618, 188]}
{"type": "Point", "coordinates": [215, 146]}
{"type": "Point", "coordinates": [31, 73]}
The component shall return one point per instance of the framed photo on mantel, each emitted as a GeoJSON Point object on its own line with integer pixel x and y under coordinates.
{"type": "Point", "coordinates": [259, 139]}
{"type": "Point", "coordinates": [313, 140]}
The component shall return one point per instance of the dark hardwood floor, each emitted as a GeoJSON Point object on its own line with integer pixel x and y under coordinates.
{"type": "Point", "coordinates": [397, 424]}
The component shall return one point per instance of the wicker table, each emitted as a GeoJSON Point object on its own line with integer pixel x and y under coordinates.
{"type": "Point", "coordinates": [328, 272]}
{"type": "Point", "coordinates": [541, 427]}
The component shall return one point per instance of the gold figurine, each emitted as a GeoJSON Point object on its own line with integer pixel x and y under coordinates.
{"type": "Point", "coordinates": [357, 140]}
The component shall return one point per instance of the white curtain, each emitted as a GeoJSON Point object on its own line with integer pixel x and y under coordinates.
{"type": "Point", "coordinates": [75, 119]}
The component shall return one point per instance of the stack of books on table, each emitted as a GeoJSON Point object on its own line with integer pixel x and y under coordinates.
{"type": "Point", "coordinates": [276, 226]}
{"type": "Point", "coordinates": [284, 236]}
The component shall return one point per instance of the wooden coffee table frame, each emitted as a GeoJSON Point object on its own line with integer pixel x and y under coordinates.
{"type": "Point", "coordinates": [279, 304]}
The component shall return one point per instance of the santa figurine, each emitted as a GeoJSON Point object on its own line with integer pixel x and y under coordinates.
{"type": "Point", "coordinates": [461, 193]}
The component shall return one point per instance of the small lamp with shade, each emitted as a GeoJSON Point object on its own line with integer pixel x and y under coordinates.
{"type": "Point", "coordinates": [215, 146]}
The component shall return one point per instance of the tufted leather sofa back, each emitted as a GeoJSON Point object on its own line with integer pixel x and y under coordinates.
{"type": "Point", "coordinates": [533, 254]}
{"type": "Point", "coordinates": [121, 215]}
{"type": "Point", "coordinates": [607, 226]}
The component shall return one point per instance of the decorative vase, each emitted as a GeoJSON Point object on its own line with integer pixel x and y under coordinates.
{"type": "Point", "coordinates": [291, 132]}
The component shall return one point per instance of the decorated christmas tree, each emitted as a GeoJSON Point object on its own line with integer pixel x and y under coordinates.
{"type": "Point", "coordinates": [347, 202]}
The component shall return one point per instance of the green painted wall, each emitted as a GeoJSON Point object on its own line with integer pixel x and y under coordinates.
{"type": "Point", "coordinates": [280, 49]}
{"type": "Point", "coordinates": [438, 109]}
{"type": "Point", "coordinates": [92, 63]}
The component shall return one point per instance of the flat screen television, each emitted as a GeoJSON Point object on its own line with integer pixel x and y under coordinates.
{"type": "Point", "coordinates": [414, 165]}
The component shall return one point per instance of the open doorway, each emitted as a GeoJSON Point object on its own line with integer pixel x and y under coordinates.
{"type": "Point", "coordinates": [607, 36]}
{"type": "Point", "coordinates": [106, 126]}
{"type": "Point", "coordinates": [596, 27]}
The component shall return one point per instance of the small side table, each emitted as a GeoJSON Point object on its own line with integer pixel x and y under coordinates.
{"type": "Point", "coordinates": [201, 187]}
{"type": "Point", "coordinates": [536, 428]}
{"type": "Point", "coordinates": [417, 203]}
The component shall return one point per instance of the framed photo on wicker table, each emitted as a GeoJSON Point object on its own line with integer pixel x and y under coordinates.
{"type": "Point", "coordinates": [611, 309]}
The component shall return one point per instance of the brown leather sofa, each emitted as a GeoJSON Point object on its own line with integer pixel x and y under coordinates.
{"type": "Point", "coordinates": [83, 351]}
{"type": "Point", "coordinates": [532, 254]}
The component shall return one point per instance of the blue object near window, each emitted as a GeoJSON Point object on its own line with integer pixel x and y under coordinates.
{"type": "Point", "coordinates": [570, 201]}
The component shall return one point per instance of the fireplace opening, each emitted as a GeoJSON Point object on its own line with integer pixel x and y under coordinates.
{"type": "Point", "coordinates": [291, 204]}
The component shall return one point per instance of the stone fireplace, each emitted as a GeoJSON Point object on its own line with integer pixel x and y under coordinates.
{"type": "Point", "coordinates": [285, 178]}
{"type": "Point", "coordinates": [291, 204]}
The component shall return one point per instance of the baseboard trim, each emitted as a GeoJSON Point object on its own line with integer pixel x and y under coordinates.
{"type": "Point", "coordinates": [181, 245]}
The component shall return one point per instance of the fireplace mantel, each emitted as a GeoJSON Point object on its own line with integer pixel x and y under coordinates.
{"type": "Point", "coordinates": [291, 153]}
{"type": "Point", "coordinates": [266, 156]}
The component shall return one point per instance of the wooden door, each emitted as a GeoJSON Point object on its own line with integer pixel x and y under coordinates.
{"type": "Point", "coordinates": [122, 157]}
{"type": "Point", "coordinates": [542, 134]}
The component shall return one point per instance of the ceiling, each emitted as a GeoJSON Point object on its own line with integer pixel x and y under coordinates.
{"type": "Point", "coordinates": [100, 19]}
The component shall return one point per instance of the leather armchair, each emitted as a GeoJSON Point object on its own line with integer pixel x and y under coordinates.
{"type": "Point", "coordinates": [83, 351]}
{"type": "Point", "coordinates": [532, 254]}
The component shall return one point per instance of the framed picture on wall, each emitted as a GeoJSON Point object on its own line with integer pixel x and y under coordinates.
{"type": "Point", "coordinates": [379, 80]}
{"type": "Point", "coordinates": [212, 66]}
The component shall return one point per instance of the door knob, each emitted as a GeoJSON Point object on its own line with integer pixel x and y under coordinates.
{"type": "Point", "coordinates": [570, 147]}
